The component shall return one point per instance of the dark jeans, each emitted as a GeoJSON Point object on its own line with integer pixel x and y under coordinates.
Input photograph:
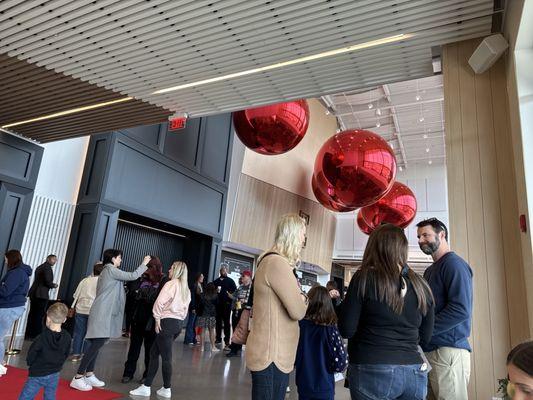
{"type": "Point", "coordinates": [300, 397]}
{"type": "Point", "coordinates": [35, 383]}
{"type": "Point", "coordinates": [80, 329]}
{"type": "Point", "coordinates": [235, 316]}
{"type": "Point", "coordinates": [223, 318]}
{"type": "Point", "coordinates": [36, 321]}
{"type": "Point", "coordinates": [163, 347]}
{"type": "Point", "coordinates": [91, 353]}
{"type": "Point", "coordinates": [372, 382]}
{"type": "Point", "coordinates": [269, 384]}
{"type": "Point", "coordinates": [138, 335]}
{"type": "Point", "coordinates": [190, 334]}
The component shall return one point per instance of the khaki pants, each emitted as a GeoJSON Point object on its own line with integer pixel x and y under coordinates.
{"type": "Point", "coordinates": [448, 380]}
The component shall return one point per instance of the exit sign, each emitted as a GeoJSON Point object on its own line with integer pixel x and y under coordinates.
{"type": "Point", "coordinates": [175, 124]}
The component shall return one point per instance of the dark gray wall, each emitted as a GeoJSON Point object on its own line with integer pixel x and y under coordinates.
{"type": "Point", "coordinates": [179, 178]}
{"type": "Point", "coordinates": [19, 166]}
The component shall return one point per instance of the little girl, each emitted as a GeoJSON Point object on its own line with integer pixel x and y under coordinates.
{"type": "Point", "coordinates": [207, 315]}
{"type": "Point", "coordinates": [321, 351]}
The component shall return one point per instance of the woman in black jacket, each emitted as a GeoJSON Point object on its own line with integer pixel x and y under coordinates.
{"type": "Point", "coordinates": [142, 323]}
{"type": "Point", "coordinates": [387, 312]}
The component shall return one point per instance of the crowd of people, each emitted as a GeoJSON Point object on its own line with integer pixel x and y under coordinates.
{"type": "Point", "coordinates": [407, 334]}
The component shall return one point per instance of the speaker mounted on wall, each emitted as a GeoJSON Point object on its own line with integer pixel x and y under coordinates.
{"type": "Point", "coordinates": [487, 53]}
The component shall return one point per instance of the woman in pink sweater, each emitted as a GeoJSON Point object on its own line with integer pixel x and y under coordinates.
{"type": "Point", "coordinates": [170, 309]}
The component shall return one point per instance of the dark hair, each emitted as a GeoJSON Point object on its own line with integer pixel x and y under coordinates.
{"type": "Point", "coordinates": [438, 226]}
{"type": "Point", "coordinates": [155, 269]}
{"type": "Point", "coordinates": [14, 258]}
{"type": "Point", "coordinates": [50, 256]}
{"type": "Point", "coordinates": [521, 357]}
{"type": "Point", "coordinates": [109, 254]}
{"type": "Point", "coordinates": [98, 268]}
{"type": "Point", "coordinates": [386, 250]}
{"type": "Point", "coordinates": [210, 291]}
{"type": "Point", "coordinates": [320, 309]}
{"type": "Point", "coordinates": [331, 285]}
{"type": "Point", "coordinates": [197, 277]}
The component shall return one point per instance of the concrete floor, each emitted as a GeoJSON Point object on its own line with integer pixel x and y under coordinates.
{"type": "Point", "coordinates": [196, 375]}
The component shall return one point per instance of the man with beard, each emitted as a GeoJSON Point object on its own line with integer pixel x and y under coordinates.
{"type": "Point", "coordinates": [450, 279]}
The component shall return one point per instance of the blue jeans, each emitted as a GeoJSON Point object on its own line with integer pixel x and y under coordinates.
{"type": "Point", "coordinates": [190, 335]}
{"type": "Point", "coordinates": [80, 329]}
{"type": "Point", "coordinates": [269, 384]}
{"type": "Point", "coordinates": [376, 382]}
{"type": "Point", "coordinates": [8, 316]}
{"type": "Point", "coordinates": [35, 383]}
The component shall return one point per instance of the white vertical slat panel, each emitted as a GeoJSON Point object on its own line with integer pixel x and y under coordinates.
{"type": "Point", "coordinates": [47, 232]}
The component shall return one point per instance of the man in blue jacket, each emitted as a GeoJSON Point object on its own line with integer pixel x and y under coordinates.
{"type": "Point", "coordinates": [450, 279]}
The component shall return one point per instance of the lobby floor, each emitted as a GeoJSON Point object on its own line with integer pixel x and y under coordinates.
{"type": "Point", "coordinates": [196, 375]}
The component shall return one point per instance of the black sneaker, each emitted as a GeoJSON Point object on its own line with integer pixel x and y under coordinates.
{"type": "Point", "coordinates": [233, 354]}
{"type": "Point", "coordinates": [126, 379]}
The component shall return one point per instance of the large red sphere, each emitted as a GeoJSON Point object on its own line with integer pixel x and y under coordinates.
{"type": "Point", "coordinates": [361, 223]}
{"type": "Point", "coordinates": [273, 129]}
{"type": "Point", "coordinates": [397, 207]}
{"type": "Point", "coordinates": [323, 193]}
{"type": "Point", "coordinates": [359, 165]}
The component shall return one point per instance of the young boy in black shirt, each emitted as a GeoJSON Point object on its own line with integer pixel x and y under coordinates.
{"type": "Point", "coordinates": [47, 354]}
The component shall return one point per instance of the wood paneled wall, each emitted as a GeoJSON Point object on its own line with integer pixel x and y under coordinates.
{"type": "Point", "coordinates": [260, 205]}
{"type": "Point", "coordinates": [483, 209]}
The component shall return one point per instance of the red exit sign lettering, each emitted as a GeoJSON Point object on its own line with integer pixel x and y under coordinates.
{"type": "Point", "coordinates": [175, 124]}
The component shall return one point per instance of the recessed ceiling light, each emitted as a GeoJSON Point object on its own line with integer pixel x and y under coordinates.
{"type": "Point", "coordinates": [370, 106]}
{"type": "Point", "coordinates": [313, 57]}
{"type": "Point", "coordinates": [417, 98]}
{"type": "Point", "coordinates": [430, 162]}
{"type": "Point", "coordinates": [427, 149]}
{"type": "Point", "coordinates": [421, 119]}
{"type": "Point", "coordinates": [425, 136]}
{"type": "Point", "coordinates": [378, 124]}
{"type": "Point", "coordinates": [378, 111]}
{"type": "Point", "coordinates": [401, 168]}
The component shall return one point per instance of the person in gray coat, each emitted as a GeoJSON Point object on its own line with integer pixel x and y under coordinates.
{"type": "Point", "coordinates": [106, 315]}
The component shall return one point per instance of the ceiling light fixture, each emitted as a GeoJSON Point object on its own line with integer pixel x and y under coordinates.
{"type": "Point", "coordinates": [313, 57]}
{"type": "Point", "coordinates": [401, 168]}
{"type": "Point", "coordinates": [370, 106]}
{"type": "Point", "coordinates": [425, 136]}
{"type": "Point", "coordinates": [421, 119]}
{"type": "Point", "coordinates": [427, 149]}
{"type": "Point", "coordinates": [68, 112]}
{"type": "Point", "coordinates": [430, 162]}
{"type": "Point", "coordinates": [378, 111]}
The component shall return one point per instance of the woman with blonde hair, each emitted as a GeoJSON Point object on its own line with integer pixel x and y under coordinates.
{"type": "Point", "coordinates": [170, 309]}
{"type": "Point", "coordinates": [278, 305]}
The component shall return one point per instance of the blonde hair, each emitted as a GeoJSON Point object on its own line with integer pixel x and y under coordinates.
{"type": "Point", "coordinates": [57, 313]}
{"type": "Point", "coordinates": [287, 241]}
{"type": "Point", "coordinates": [178, 271]}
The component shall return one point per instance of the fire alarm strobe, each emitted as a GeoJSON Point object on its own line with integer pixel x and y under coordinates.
{"type": "Point", "coordinates": [487, 53]}
{"type": "Point", "coordinates": [177, 122]}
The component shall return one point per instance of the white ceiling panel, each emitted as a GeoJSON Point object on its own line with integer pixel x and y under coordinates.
{"type": "Point", "coordinates": [136, 47]}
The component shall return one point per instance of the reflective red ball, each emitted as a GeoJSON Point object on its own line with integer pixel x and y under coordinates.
{"type": "Point", "coordinates": [359, 166]}
{"type": "Point", "coordinates": [397, 207]}
{"type": "Point", "coordinates": [323, 193]}
{"type": "Point", "coordinates": [361, 223]}
{"type": "Point", "coordinates": [273, 129]}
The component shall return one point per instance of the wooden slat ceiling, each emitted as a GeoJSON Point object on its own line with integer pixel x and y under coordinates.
{"type": "Point", "coordinates": [29, 91]}
{"type": "Point", "coordinates": [138, 47]}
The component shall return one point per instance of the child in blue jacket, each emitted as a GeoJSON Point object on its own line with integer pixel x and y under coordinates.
{"type": "Point", "coordinates": [321, 351]}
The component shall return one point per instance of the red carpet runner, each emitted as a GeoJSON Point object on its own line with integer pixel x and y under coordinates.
{"type": "Point", "coordinates": [11, 385]}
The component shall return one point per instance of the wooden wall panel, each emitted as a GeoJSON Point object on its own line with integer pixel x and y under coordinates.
{"type": "Point", "coordinates": [259, 206]}
{"type": "Point", "coordinates": [483, 210]}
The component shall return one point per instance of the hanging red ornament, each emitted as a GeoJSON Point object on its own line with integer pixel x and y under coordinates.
{"type": "Point", "coordinates": [323, 193]}
{"type": "Point", "coordinates": [361, 223]}
{"type": "Point", "coordinates": [273, 129]}
{"type": "Point", "coordinates": [359, 165]}
{"type": "Point", "coordinates": [397, 207]}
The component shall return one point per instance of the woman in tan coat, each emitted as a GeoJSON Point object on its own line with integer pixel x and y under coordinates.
{"type": "Point", "coordinates": [278, 305]}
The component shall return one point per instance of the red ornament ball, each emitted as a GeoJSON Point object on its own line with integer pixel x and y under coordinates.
{"type": "Point", "coordinates": [361, 223]}
{"type": "Point", "coordinates": [397, 207]}
{"type": "Point", "coordinates": [359, 165]}
{"type": "Point", "coordinates": [273, 129]}
{"type": "Point", "coordinates": [323, 193]}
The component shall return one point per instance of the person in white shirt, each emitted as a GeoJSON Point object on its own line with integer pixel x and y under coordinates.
{"type": "Point", "coordinates": [170, 309]}
{"type": "Point", "coordinates": [83, 300]}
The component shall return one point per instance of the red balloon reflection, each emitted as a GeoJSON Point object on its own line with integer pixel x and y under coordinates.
{"type": "Point", "coordinates": [359, 165]}
{"type": "Point", "coordinates": [273, 129]}
{"type": "Point", "coordinates": [324, 193]}
{"type": "Point", "coordinates": [397, 207]}
{"type": "Point", "coordinates": [361, 223]}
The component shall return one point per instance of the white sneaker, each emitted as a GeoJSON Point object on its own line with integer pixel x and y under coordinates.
{"type": "Point", "coordinates": [3, 370]}
{"type": "Point", "coordinates": [94, 381]}
{"type": "Point", "coordinates": [142, 391]}
{"type": "Point", "coordinates": [164, 392]}
{"type": "Point", "coordinates": [80, 384]}
{"type": "Point", "coordinates": [215, 349]}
